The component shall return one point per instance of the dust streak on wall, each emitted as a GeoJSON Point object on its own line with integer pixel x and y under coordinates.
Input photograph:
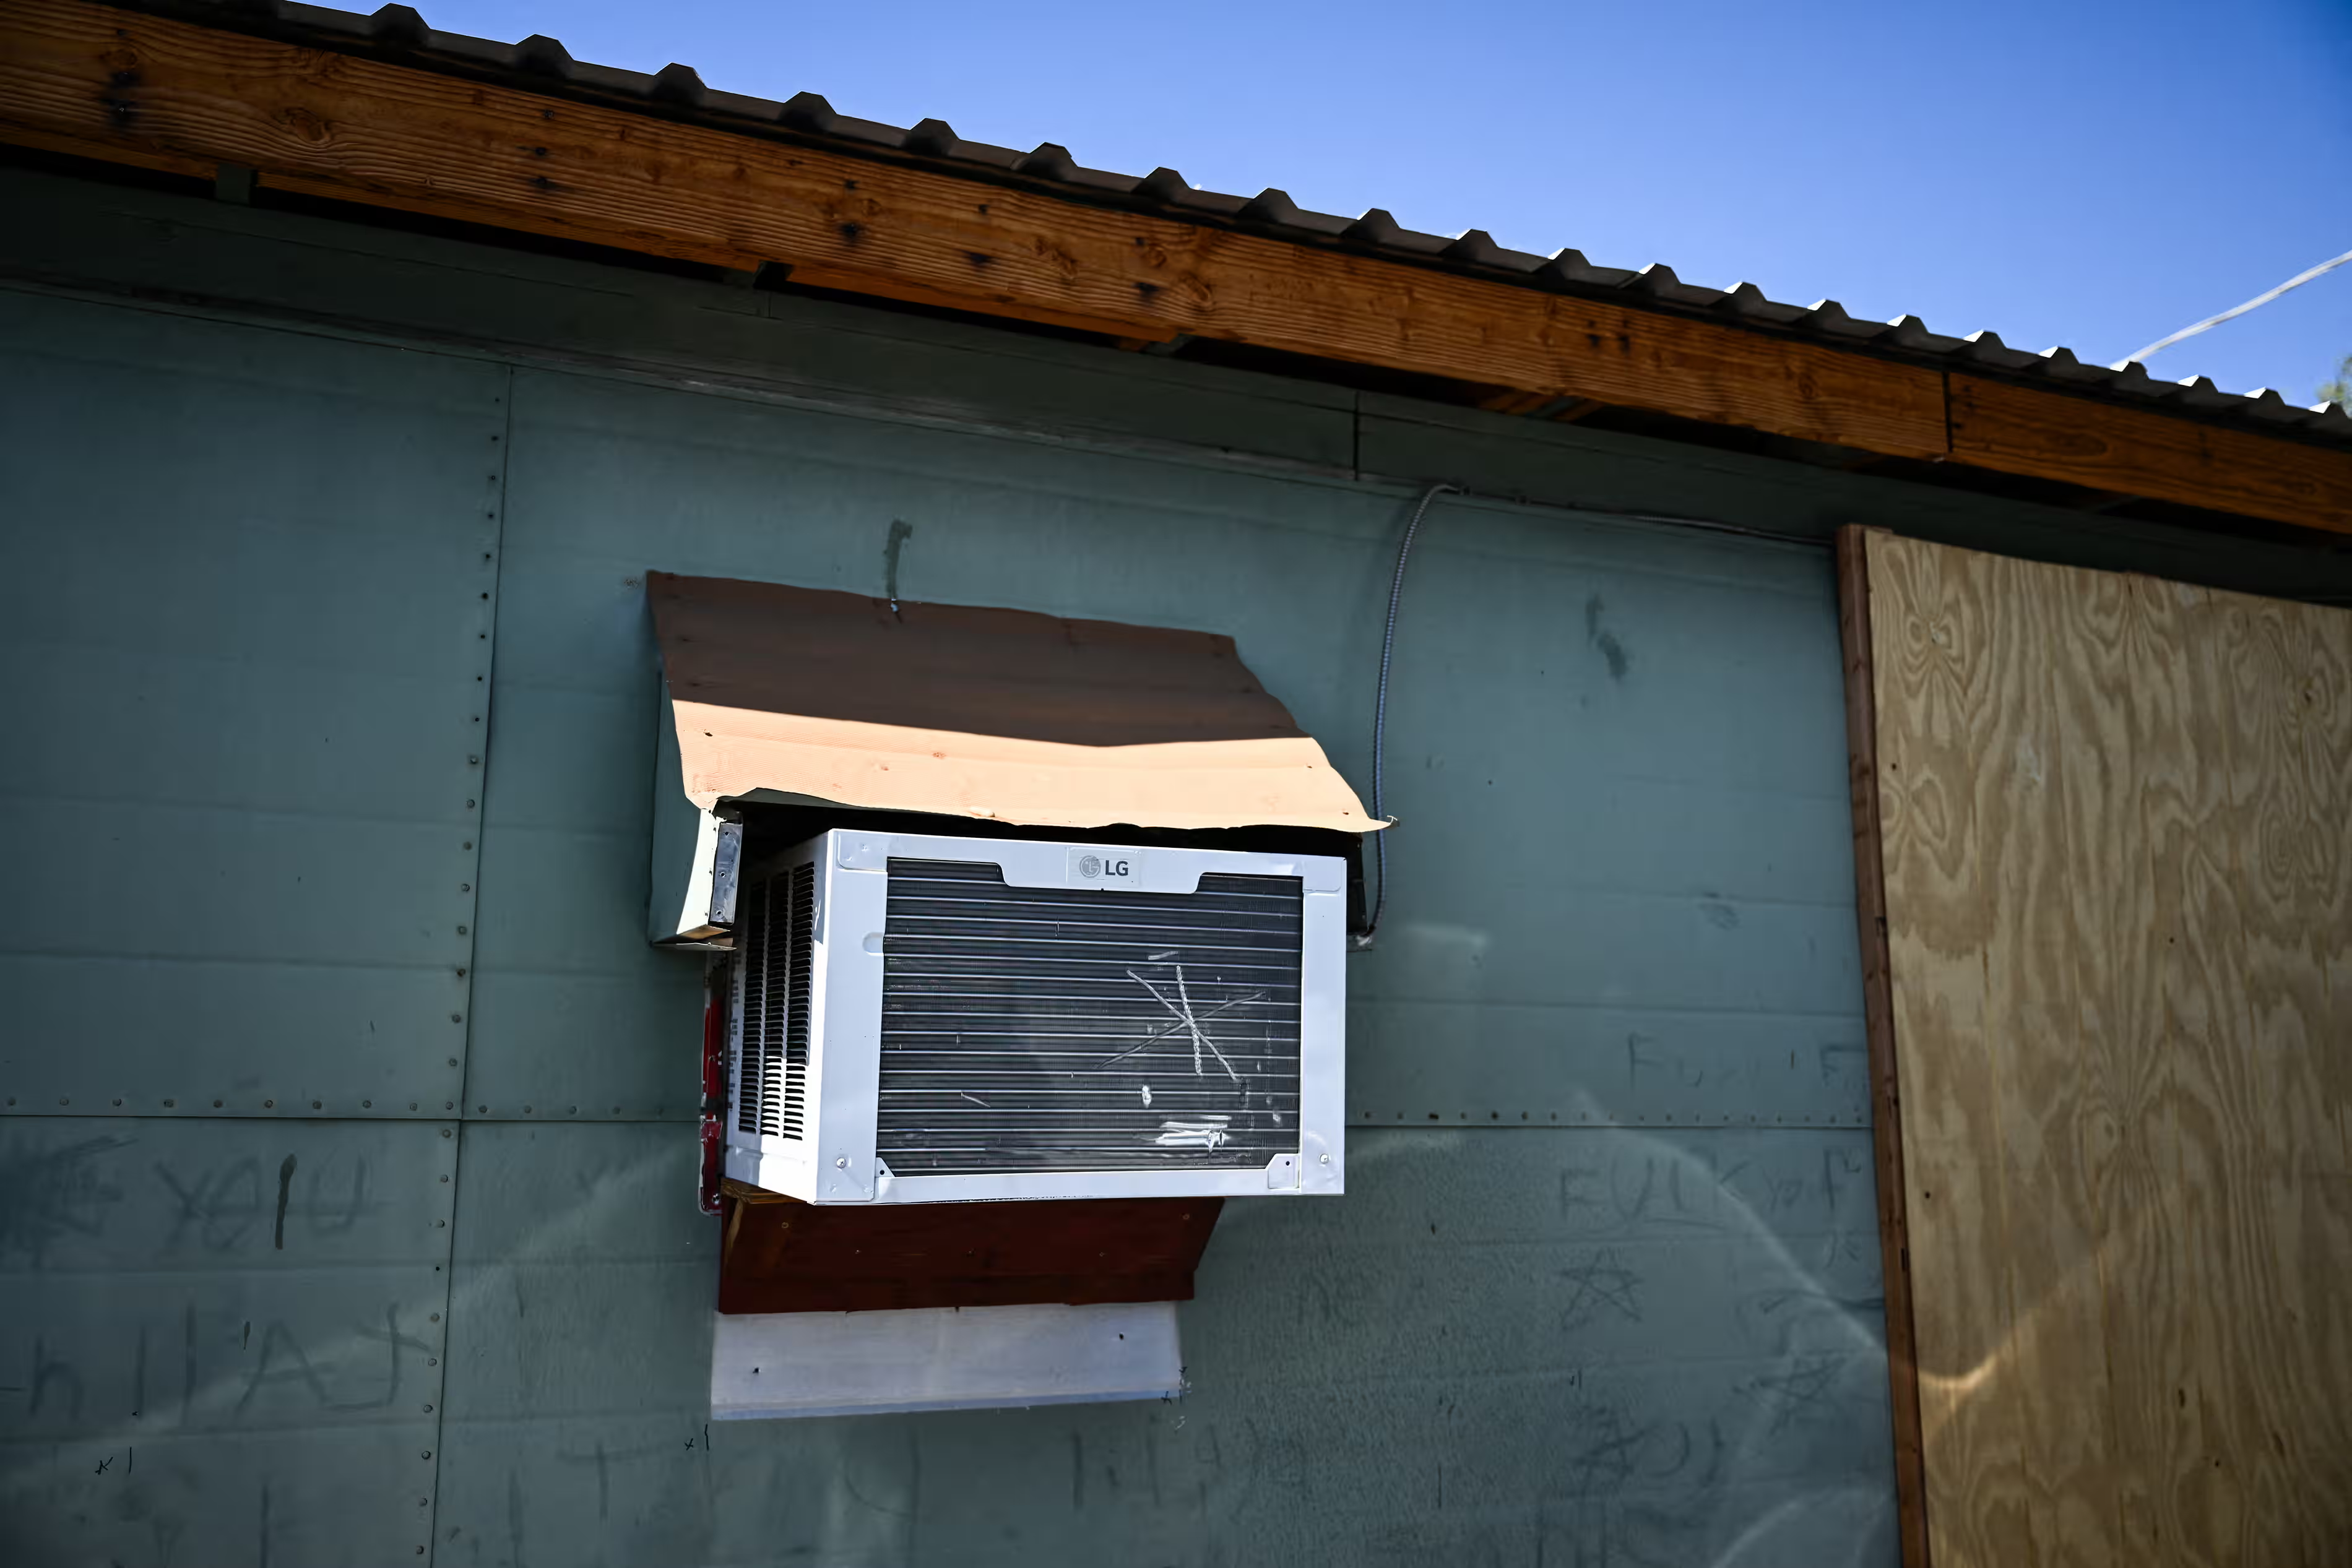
{"type": "Point", "coordinates": [2119, 920]}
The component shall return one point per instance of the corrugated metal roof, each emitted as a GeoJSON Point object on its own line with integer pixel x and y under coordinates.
{"type": "Point", "coordinates": [543, 63]}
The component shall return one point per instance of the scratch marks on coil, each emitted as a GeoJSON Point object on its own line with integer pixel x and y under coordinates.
{"type": "Point", "coordinates": [1194, 1133]}
{"type": "Point", "coordinates": [1187, 1020]}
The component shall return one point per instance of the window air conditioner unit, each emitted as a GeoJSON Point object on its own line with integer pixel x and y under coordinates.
{"type": "Point", "coordinates": [917, 1018]}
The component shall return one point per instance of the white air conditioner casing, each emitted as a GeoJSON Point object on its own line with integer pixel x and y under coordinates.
{"type": "Point", "coordinates": [917, 1018]}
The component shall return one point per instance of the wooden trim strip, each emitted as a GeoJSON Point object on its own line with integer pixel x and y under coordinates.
{"type": "Point", "coordinates": [88, 80]}
{"type": "Point", "coordinates": [1878, 1023]}
{"type": "Point", "coordinates": [2051, 435]}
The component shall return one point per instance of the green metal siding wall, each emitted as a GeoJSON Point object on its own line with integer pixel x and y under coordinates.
{"type": "Point", "coordinates": [284, 501]}
{"type": "Point", "coordinates": [247, 617]}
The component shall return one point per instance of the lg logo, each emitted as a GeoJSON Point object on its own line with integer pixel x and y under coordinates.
{"type": "Point", "coordinates": [1106, 868]}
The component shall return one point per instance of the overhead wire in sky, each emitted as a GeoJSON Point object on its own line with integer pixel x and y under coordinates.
{"type": "Point", "coordinates": [2297, 281]}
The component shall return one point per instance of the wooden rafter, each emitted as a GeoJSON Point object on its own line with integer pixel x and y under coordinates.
{"type": "Point", "coordinates": [97, 82]}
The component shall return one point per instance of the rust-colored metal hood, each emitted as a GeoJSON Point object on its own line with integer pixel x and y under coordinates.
{"type": "Point", "coordinates": [955, 710]}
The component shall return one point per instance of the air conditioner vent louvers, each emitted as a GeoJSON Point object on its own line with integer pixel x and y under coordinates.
{"type": "Point", "coordinates": [772, 1063]}
{"type": "Point", "coordinates": [751, 1005]}
{"type": "Point", "coordinates": [1067, 1029]}
{"type": "Point", "coordinates": [800, 937]}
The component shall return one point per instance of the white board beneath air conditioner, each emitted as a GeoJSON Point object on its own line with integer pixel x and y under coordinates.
{"type": "Point", "coordinates": [941, 1358]}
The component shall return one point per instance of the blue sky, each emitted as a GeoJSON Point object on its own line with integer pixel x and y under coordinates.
{"type": "Point", "coordinates": [2076, 171]}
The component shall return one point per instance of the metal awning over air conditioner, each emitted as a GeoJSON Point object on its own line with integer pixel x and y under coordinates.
{"type": "Point", "coordinates": [801, 695]}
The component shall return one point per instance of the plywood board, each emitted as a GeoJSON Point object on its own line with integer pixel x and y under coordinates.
{"type": "Point", "coordinates": [2112, 838]}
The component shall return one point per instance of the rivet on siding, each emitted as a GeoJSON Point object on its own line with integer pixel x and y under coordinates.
{"type": "Point", "coordinates": [367, 1105]}
{"type": "Point", "coordinates": [269, 1104]}
{"type": "Point", "coordinates": [445, 1179]}
{"type": "Point", "coordinates": [412, 1104]}
{"type": "Point", "coordinates": [1327, 1159]}
{"type": "Point", "coordinates": [469, 805]}
{"type": "Point", "coordinates": [474, 761]}
{"type": "Point", "coordinates": [525, 1110]}
{"type": "Point", "coordinates": [465, 887]}
{"type": "Point", "coordinates": [167, 1104]}
{"type": "Point", "coordinates": [117, 1098]}
{"type": "Point", "coordinates": [428, 1453]}
{"type": "Point", "coordinates": [461, 931]}
{"type": "Point", "coordinates": [457, 1018]}
{"type": "Point", "coordinates": [839, 1164]}
{"type": "Point", "coordinates": [573, 1112]}
{"type": "Point", "coordinates": [440, 1225]}
{"type": "Point", "coordinates": [445, 1131]}
{"type": "Point", "coordinates": [315, 1105]}
{"type": "Point", "coordinates": [435, 1318]}
{"type": "Point", "coordinates": [428, 1409]}
{"type": "Point", "coordinates": [453, 1062]}
{"type": "Point", "coordinates": [65, 1100]}
{"type": "Point", "coordinates": [481, 1110]}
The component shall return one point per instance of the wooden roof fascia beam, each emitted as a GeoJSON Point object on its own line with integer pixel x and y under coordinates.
{"type": "Point", "coordinates": [2139, 455]}
{"type": "Point", "coordinates": [92, 81]}
{"type": "Point", "coordinates": [81, 77]}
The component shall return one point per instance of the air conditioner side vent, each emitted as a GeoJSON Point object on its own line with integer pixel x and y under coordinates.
{"type": "Point", "coordinates": [750, 1004]}
{"type": "Point", "coordinates": [800, 940]}
{"type": "Point", "coordinates": [776, 934]}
